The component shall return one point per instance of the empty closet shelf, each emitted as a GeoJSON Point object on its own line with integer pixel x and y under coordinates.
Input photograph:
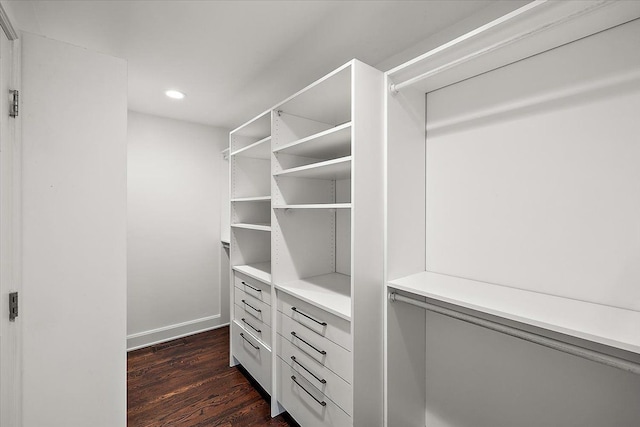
{"type": "Point", "coordinates": [252, 199]}
{"type": "Point", "coordinates": [258, 150]}
{"type": "Point", "coordinates": [603, 324]}
{"type": "Point", "coordinates": [331, 143]}
{"type": "Point", "coordinates": [331, 292]}
{"type": "Point", "coordinates": [260, 227]}
{"type": "Point", "coordinates": [331, 169]}
{"type": "Point", "coordinates": [259, 271]}
{"type": "Point", "coordinates": [315, 206]}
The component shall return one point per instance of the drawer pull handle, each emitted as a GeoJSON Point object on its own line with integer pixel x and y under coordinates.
{"type": "Point", "coordinates": [321, 402]}
{"type": "Point", "coordinates": [322, 352]}
{"type": "Point", "coordinates": [321, 380]}
{"type": "Point", "coordinates": [251, 326]}
{"type": "Point", "coordinates": [251, 287]}
{"type": "Point", "coordinates": [309, 317]}
{"type": "Point", "coordinates": [252, 344]}
{"type": "Point", "coordinates": [250, 306]}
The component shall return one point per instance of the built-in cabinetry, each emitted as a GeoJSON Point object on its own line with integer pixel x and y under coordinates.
{"type": "Point", "coordinates": [327, 249]}
{"type": "Point", "coordinates": [250, 254]}
{"type": "Point", "coordinates": [307, 205]}
{"type": "Point", "coordinates": [511, 223]}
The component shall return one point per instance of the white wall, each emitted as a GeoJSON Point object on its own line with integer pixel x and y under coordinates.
{"type": "Point", "coordinates": [174, 191]}
{"type": "Point", "coordinates": [74, 116]}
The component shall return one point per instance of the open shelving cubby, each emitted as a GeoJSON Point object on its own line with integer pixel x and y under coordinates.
{"type": "Point", "coordinates": [511, 206]}
{"type": "Point", "coordinates": [250, 155]}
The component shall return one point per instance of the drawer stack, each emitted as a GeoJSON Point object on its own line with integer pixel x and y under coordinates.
{"type": "Point", "coordinates": [315, 368]}
{"type": "Point", "coordinates": [251, 327]}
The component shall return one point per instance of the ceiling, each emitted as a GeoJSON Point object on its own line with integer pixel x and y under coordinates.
{"type": "Point", "coordinates": [236, 59]}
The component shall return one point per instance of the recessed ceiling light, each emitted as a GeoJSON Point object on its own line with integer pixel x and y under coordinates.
{"type": "Point", "coordinates": [174, 94]}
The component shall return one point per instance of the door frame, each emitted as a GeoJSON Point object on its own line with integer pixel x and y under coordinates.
{"type": "Point", "coordinates": [10, 231]}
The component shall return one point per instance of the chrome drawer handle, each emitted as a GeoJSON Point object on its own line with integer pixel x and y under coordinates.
{"type": "Point", "coordinates": [247, 304]}
{"type": "Point", "coordinates": [322, 380]}
{"type": "Point", "coordinates": [252, 344]}
{"type": "Point", "coordinates": [322, 352]}
{"type": "Point", "coordinates": [251, 326]}
{"type": "Point", "coordinates": [309, 317]}
{"type": "Point", "coordinates": [321, 402]}
{"type": "Point", "coordinates": [251, 287]}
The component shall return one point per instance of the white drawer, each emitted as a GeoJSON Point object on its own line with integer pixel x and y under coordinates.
{"type": "Point", "coordinates": [334, 387]}
{"type": "Point", "coordinates": [326, 324]}
{"type": "Point", "coordinates": [253, 325]}
{"type": "Point", "coordinates": [253, 287]}
{"type": "Point", "coordinates": [253, 356]}
{"type": "Point", "coordinates": [253, 306]}
{"type": "Point", "coordinates": [325, 352]}
{"type": "Point", "coordinates": [303, 406]}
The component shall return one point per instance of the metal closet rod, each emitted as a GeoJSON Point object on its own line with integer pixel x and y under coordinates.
{"type": "Point", "coordinates": [395, 87]}
{"type": "Point", "coordinates": [572, 349]}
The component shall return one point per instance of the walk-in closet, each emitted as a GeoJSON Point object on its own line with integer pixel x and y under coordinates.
{"type": "Point", "coordinates": [320, 213]}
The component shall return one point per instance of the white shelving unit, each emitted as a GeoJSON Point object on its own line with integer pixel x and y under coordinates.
{"type": "Point", "coordinates": [514, 203]}
{"type": "Point", "coordinates": [250, 254]}
{"type": "Point", "coordinates": [327, 257]}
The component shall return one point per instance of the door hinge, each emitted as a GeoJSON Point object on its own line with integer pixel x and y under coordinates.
{"type": "Point", "coordinates": [13, 108]}
{"type": "Point", "coordinates": [13, 306]}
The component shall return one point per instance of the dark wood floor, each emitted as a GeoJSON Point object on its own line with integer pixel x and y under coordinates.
{"type": "Point", "coordinates": [188, 383]}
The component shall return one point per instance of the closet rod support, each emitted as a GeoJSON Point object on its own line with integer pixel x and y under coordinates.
{"type": "Point", "coordinates": [564, 347]}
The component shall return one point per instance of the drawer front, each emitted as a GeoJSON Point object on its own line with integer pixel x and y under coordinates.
{"type": "Point", "coordinates": [253, 325]}
{"type": "Point", "coordinates": [253, 306]}
{"type": "Point", "coordinates": [325, 352]}
{"type": "Point", "coordinates": [253, 287]}
{"type": "Point", "coordinates": [301, 365]}
{"type": "Point", "coordinates": [297, 395]}
{"type": "Point", "coordinates": [253, 356]}
{"type": "Point", "coordinates": [328, 325]}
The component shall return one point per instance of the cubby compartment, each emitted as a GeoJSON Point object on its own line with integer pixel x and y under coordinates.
{"type": "Point", "coordinates": [312, 113]}
{"type": "Point", "coordinates": [311, 193]}
{"type": "Point", "coordinates": [312, 253]}
{"type": "Point", "coordinates": [252, 138]}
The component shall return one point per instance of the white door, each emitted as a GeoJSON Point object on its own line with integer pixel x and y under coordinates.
{"type": "Point", "coordinates": [10, 384]}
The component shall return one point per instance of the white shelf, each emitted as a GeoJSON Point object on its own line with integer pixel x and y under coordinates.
{"type": "Point", "coordinates": [252, 199]}
{"type": "Point", "coordinates": [612, 326]}
{"type": "Point", "coordinates": [316, 206]}
{"type": "Point", "coordinates": [258, 150]}
{"type": "Point", "coordinates": [260, 227]}
{"type": "Point", "coordinates": [331, 292]}
{"type": "Point", "coordinates": [327, 100]}
{"type": "Point", "coordinates": [332, 143]}
{"type": "Point", "coordinates": [259, 271]}
{"type": "Point", "coordinates": [330, 169]}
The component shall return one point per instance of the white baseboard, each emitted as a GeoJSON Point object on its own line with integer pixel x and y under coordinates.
{"type": "Point", "coordinates": [171, 332]}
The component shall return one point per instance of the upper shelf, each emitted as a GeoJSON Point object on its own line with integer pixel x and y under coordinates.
{"type": "Point", "coordinates": [331, 143]}
{"type": "Point", "coordinates": [328, 100]}
{"type": "Point", "coordinates": [331, 169]}
{"type": "Point", "coordinates": [258, 150]}
{"type": "Point", "coordinates": [612, 326]}
{"type": "Point", "coordinates": [331, 292]}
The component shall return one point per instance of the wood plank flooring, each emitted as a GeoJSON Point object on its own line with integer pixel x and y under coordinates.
{"type": "Point", "coordinates": [188, 383]}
